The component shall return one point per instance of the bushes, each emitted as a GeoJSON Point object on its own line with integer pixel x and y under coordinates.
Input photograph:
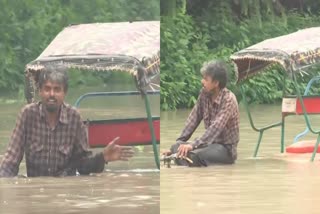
{"type": "Point", "coordinates": [215, 32]}
{"type": "Point", "coordinates": [183, 50]}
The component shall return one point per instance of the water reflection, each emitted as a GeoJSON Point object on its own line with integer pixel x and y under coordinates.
{"type": "Point", "coordinates": [271, 183]}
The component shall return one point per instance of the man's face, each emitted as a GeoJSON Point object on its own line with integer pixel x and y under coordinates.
{"type": "Point", "coordinates": [52, 95]}
{"type": "Point", "coordinates": [209, 84]}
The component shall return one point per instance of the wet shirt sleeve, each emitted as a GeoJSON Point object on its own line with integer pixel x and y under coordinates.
{"type": "Point", "coordinates": [9, 166]}
{"type": "Point", "coordinates": [218, 124]}
{"type": "Point", "coordinates": [192, 122]}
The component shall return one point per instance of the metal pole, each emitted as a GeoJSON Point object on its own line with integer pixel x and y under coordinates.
{"type": "Point", "coordinates": [154, 143]}
{"type": "Point", "coordinates": [315, 148]}
{"type": "Point", "coordinates": [258, 144]}
{"type": "Point", "coordinates": [282, 134]}
{"type": "Point", "coordinates": [283, 116]}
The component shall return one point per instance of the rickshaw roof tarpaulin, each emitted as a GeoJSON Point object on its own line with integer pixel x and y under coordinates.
{"type": "Point", "coordinates": [121, 46]}
{"type": "Point", "coordinates": [292, 52]}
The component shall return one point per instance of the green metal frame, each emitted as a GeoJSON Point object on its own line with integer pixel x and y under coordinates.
{"type": "Point", "coordinates": [282, 122]}
{"type": "Point", "coordinates": [305, 94]}
{"type": "Point", "coordinates": [262, 129]}
{"type": "Point", "coordinates": [306, 117]}
{"type": "Point", "coordinates": [154, 141]}
{"type": "Point", "coordinates": [148, 110]}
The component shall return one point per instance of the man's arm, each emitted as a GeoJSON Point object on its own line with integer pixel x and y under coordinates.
{"type": "Point", "coordinates": [83, 159]}
{"type": "Point", "coordinates": [218, 125]}
{"type": "Point", "coordinates": [87, 163]}
{"type": "Point", "coordinates": [192, 122]}
{"type": "Point", "coordinates": [9, 166]}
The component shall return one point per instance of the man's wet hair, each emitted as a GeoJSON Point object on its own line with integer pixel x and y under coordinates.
{"type": "Point", "coordinates": [57, 74]}
{"type": "Point", "coordinates": [217, 70]}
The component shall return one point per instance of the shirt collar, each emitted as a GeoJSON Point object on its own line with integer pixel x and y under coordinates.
{"type": "Point", "coordinates": [63, 117]}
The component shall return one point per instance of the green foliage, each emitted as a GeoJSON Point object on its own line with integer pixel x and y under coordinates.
{"type": "Point", "coordinates": [111, 80]}
{"type": "Point", "coordinates": [183, 47]}
{"type": "Point", "coordinates": [268, 87]}
{"type": "Point", "coordinates": [173, 7]}
{"type": "Point", "coordinates": [27, 27]}
{"type": "Point", "coordinates": [215, 29]}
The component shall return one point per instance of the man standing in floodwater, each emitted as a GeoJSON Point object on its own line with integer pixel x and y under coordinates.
{"type": "Point", "coordinates": [53, 137]}
{"type": "Point", "coordinates": [218, 108]}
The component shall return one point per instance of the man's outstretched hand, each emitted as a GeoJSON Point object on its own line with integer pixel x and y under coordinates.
{"type": "Point", "coordinates": [114, 152]}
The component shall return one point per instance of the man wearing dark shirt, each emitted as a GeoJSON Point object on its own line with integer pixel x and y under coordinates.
{"type": "Point", "coordinates": [53, 137]}
{"type": "Point", "coordinates": [218, 108]}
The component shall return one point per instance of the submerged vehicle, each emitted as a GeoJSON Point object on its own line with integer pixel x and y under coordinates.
{"type": "Point", "coordinates": [132, 47]}
{"type": "Point", "coordinates": [295, 53]}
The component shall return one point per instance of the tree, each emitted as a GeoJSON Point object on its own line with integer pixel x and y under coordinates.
{"type": "Point", "coordinates": [27, 27]}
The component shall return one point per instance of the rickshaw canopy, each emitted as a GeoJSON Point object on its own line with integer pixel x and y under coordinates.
{"type": "Point", "coordinates": [122, 46]}
{"type": "Point", "coordinates": [293, 52]}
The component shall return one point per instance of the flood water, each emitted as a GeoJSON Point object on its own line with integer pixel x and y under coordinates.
{"type": "Point", "coordinates": [124, 187]}
{"type": "Point", "coordinates": [271, 183]}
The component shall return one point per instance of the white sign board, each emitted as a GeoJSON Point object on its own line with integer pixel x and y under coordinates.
{"type": "Point", "coordinates": [289, 105]}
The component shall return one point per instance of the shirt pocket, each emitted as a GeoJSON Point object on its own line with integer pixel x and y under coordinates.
{"type": "Point", "coordinates": [34, 145]}
{"type": "Point", "coordinates": [35, 155]}
{"type": "Point", "coordinates": [65, 150]}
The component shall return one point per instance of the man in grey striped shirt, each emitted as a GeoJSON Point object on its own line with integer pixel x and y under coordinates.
{"type": "Point", "coordinates": [53, 137]}
{"type": "Point", "coordinates": [218, 108]}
